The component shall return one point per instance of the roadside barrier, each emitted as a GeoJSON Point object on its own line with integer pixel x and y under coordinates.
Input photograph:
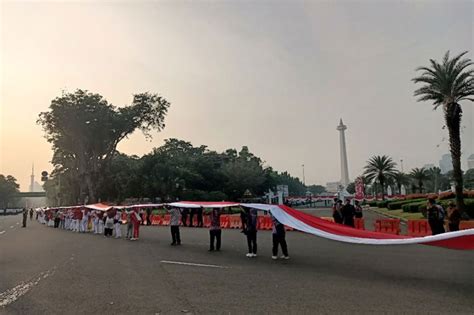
{"type": "Point", "coordinates": [389, 226]}
{"type": "Point", "coordinates": [359, 223]}
{"type": "Point", "coordinates": [207, 220]}
{"type": "Point", "coordinates": [418, 228]}
{"type": "Point", "coordinates": [464, 225]}
{"type": "Point", "coordinates": [235, 222]}
{"type": "Point", "coordinates": [225, 222]}
{"type": "Point", "coordinates": [264, 222]}
{"type": "Point", "coordinates": [156, 219]}
{"type": "Point", "coordinates": [166, 220]}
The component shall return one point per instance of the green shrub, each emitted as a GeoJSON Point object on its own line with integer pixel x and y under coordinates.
{"type": "Point", "coordinates": [394, 205]}
{"type": "Point", "coordinates": [413, 207]}
{"type": "Point", "coordinates": [372, 203]}
{"type": "Point", "coordinates": [382, 204]}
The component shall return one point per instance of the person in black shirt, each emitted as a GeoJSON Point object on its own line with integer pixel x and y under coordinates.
{"type": "Point", "coordinates": [336, 211]}
{"type": "Point", "coordinates": [184, 216]}
{"type": "Point", "coordinates": [454, 217]}
{"type": "Point", "coordinates": [200, 222]}
{"type": "Point", "coordinates": [358, 209]}
{"type": "Point", "coordinates": [348, 212]}
{"type": "Point", "coordinates": [435, 215]}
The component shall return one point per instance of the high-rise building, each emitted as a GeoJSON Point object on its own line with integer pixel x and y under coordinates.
{"type": "Point", "coordinates": [446, 163]}
{"type": "Point", "coordinates": [470, 162]}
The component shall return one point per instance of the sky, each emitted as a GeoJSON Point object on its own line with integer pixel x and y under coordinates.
{"type": "Point", "coordinates": [273, 75]}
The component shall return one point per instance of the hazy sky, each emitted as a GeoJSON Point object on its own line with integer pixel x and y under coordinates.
{"type": "Point", "coordinates": [273, 75]}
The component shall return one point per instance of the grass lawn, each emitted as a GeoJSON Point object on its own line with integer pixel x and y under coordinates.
{"type": "Point", "coordinates": [400, 214]}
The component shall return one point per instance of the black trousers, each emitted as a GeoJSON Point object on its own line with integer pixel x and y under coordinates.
{"type": "Point", "coordinates": [437, 227]}
{"type": "Point", "coordinates": [453, 227]}
{"type": "Point", "coordinates": [184, 218]}
{"type": "Point", "coordinates": [108, 232]}
{"type": "Point", "coordinates": [191, 217]}
{"type": "Point", "coordinates": [252, 241]}
{"type": "Point", "coordinates": [200, 222]}
{"type": "Point", "coordinates": [215, 235]}
{"type": "Point", "coordinates": [175, 234]}
{"type": "Point", "coordinates": [279, 240]}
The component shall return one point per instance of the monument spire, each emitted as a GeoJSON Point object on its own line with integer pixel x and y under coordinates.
{"type": "Point", "coordinates": [32, 181]}
{"type": "Point", "coordinates": [342, 142]}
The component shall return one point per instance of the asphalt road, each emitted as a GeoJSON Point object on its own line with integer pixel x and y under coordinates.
{"type": "Point", "coordinates": [50, 271]}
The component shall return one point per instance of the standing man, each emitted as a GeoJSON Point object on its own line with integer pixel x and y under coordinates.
{"type": "Point", "coordinates": [191, 217]}
{"type": "Point", "coordinates": [200, 222]}
{"type": "Point", "coordinates": [278, 237]}
{"type": "Point", "coordinates": [348, 213]}
{"type": "Point", "coordinates": [435, 214]}
{"type": "Point", "coordinates": [84, 220]}
{"type": "Point", "coordinates": [184, 216]}
{"type": "Point", "coordinates": [31, 214]}
{"type": "Point", "coordinates": [336, 211]}
{"type": "Point", "coordinates": [129, 224]}
{"type": "Point", "coordinates": [25, 217]}
{"type": "Point", "coordinates": [148, 216]}
{"type": "Point", "coordinates": [136, 220]}
{"type": "Point", "coordinates": [175, 215]}
{"type": "Point", "coordinates": [117, 224]}
{"type": "Point", "coordinates": [251, 232]}
{"type": "Point", "coordinates": [215, 229]}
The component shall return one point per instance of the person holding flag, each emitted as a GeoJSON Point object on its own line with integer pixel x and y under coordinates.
{"type": "Point", "coordinates": [136, 220]}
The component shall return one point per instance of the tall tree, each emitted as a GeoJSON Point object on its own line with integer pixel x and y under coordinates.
{"type": "Point", "coordinates": [87, 129]}
{"type": "Point", "coordinates": [447, 84]}
{"type": "Point", "coordinates": [419, 175]}
{"type": "Point", "coordinates": [379, 169]}
{"type": "Point", "coordinates": [8, 189]}
{"type": "Point", "coordinates": [400, 179]}
{"type": "Point", "coordinates": [435, 175]}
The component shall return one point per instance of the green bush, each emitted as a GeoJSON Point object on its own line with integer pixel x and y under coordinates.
{"type": "Point", "coordinates": [394, 205]}
{"type": "Point", "coordinates": [382, 204]}
{"type": "Point", "coordinates": [413, 207]}
{"type": "Point", "coordinates": [372, 203]}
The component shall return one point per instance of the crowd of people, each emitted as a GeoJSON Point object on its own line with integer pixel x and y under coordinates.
{"type": "Point", "coordinates": [109, 223]}
{"type": "Point", "coordinates": [435, 213]}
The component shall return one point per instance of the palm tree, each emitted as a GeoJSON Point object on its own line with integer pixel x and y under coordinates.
{"type": "Point", "coordinates": [446, 84]}
{"type": "Point", "coordinates": [400, 179]}
{"type": "Point", "coordinates": [435, 175]}
{"type": "Point", "coordinates": [379, 169]}
{"type": "Point", "coordinates": [419, 175]}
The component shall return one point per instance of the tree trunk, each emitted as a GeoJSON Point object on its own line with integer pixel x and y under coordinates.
{"type": "Point", "coordinates": [382, 184]}
{"type": "Point", "coordinates": [453, 114]}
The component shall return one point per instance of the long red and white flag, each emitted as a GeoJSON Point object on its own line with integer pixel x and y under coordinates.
{"type": "Point", "coordinates": [313, 225]}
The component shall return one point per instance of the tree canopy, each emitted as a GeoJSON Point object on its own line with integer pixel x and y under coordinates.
{"type": "Point", "coordinates": [8, 189]}
{"type": "Point", "coordinates": [84, 130]}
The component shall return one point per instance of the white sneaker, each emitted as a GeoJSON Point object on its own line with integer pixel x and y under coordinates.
{"type": "Point", "coordinates": [249, 255]}
{"type": "Point", "coordinates": [285, 257]}
{"type": "Point", "coordinates": [254, 255]}
{"type": "Point", "coordinates": [274, 257]}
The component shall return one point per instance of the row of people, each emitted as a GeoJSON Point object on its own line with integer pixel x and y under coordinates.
{"type": "Point", "coordinates": [109, 223]}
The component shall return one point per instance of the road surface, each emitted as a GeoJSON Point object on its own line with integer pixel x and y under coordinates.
{"type": "Point", "coordinates": [51, 271]}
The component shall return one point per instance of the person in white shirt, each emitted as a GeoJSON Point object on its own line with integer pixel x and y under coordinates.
{"type": "Point", "coordinates": [118, 223]}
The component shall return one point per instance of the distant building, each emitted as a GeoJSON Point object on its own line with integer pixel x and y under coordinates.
{"type": "Point", "coordinates": [470, 162]}
{"type": "Point", "coordinates": [428, 166]}
{"type": "Point", "coordinates": [446, 163]}
{"type": "Point", "coordinates": [332, 187]}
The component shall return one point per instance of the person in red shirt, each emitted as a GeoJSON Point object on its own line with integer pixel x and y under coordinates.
{"type": "Point", "coordinates": [135, 218]}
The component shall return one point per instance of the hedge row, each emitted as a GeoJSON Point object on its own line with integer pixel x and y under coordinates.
{"type": "Point", "coordinates": [394, 205]}
{"type": "Point", "coordinates": [421, 206]}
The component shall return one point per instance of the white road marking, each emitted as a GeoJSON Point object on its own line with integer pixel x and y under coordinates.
{"type": "Point", "coordinates": [191, 264]}
{"type": "Point", "coordinates": [2, 232]}
{"type": "Point", "coordinates": [12, 226]}
{"type": "Point", "coordinates": [15, 293]}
